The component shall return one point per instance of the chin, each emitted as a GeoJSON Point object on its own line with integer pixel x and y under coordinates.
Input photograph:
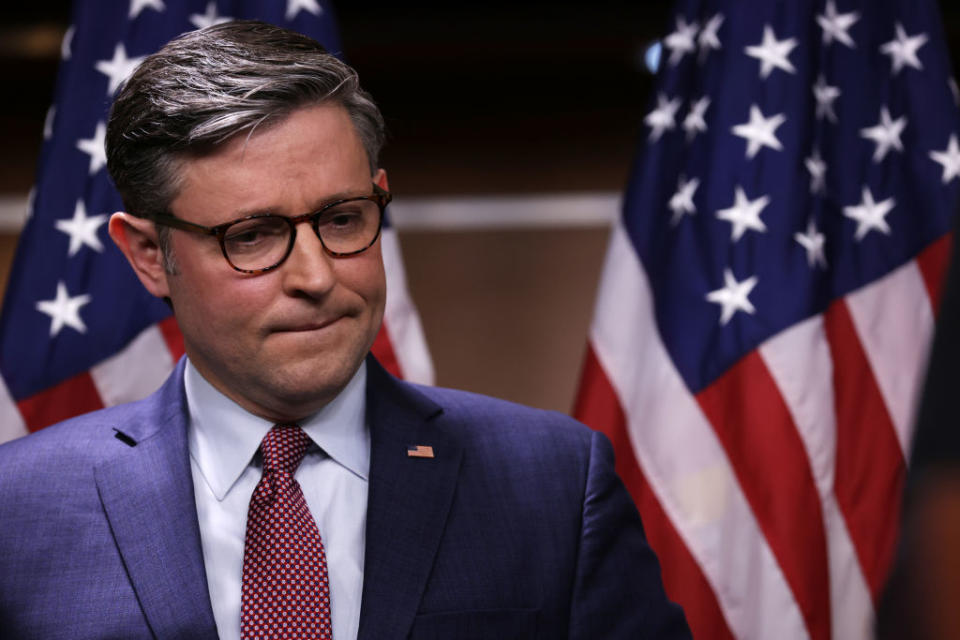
{"type": "Point", "coordinates": [306, 385]}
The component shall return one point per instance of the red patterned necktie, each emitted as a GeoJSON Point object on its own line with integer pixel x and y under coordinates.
{"type": "Point", "coordinates": [285, 589]}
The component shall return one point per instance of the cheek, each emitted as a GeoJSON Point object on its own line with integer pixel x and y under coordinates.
{"type": "Point", "coordinates": [213, 302]}
{"type": "Point", "coordinates": [365, 276]}
{"type": "Point", "coordinates": [378, 283]}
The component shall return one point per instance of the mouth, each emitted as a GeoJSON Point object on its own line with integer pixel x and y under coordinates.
{"type": "Point", "coordinates": [307, 326]}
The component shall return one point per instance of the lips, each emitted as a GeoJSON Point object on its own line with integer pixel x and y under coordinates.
{"type": "Point", "coordinates": [304, 325]}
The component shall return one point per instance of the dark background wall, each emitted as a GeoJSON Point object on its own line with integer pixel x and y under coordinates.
{"type": "Point", "coordinates": [479, 96]}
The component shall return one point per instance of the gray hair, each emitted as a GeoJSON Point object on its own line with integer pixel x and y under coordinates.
{"type": "Point", "coordinates": [207, 86]}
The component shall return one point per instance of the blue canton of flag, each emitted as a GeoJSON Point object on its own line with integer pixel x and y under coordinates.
{"type": "Point", "coordinates": [767, 303]}
{"type": "Point", "coordinates": [73, 304]}
{"type": "Point", "coordinates": [839, 163]}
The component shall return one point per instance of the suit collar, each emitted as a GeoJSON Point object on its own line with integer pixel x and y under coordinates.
{"type": "Point", "coordinates": [147, 495]}
{"type": "Point", "coordinates": [408, 502]}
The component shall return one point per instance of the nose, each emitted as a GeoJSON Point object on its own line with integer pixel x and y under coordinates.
{"type": "Point", "coordinates": [309, 269]}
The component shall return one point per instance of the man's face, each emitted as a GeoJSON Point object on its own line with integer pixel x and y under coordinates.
{"type": "Point", "coordinates": [283, 343]}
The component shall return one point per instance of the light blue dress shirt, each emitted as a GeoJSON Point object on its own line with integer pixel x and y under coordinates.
{"type": "Point", "coordinates": [223, 438]}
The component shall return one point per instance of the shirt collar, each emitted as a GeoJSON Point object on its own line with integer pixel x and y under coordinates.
{"type": "Point", "coordinates": [223, 436]}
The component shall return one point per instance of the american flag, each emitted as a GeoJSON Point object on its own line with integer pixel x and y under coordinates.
{"type": "Point", "coordinates": [419, 451]}
{"type": "Point", "coordinates": [78, 331]}
{"type": "Point", "coordinates": [766, 304]}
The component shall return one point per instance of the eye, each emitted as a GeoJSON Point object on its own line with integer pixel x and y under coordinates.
{"type": "Point", "coordinates": [344, 220]}
{"type": "Point", "coordinates": [245, 236]}
{"type": "Point", "coordinates": [255, 233]}
{"type": "Point", "coordinates": [347, 218]}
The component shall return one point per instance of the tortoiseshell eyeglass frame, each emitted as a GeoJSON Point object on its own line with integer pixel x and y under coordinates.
{"type": "Point", "coordinates": [380, 196]}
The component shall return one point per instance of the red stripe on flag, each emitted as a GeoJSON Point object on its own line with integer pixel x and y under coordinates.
{"type": "Point", "coordinates": [870, 466]}
{"type": "Point", "coordinates": [685, 584]}
{"type": "Point", "coordinates": [933, 262]}
{"type": "Point", "coordinates": [172, 336]}
{"type": "Point", "coordinates": [382, 350]}
{"type": "Point", "coordinates": [71, 397]}
{"type": "Point", "coordinates": [753, 423]}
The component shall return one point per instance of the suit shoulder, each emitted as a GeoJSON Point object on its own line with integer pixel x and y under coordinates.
{"type": "Point", "coordinates": [480, 416]}
{"type": "Point", "coordinates": [95, 435]}
{"type": "Point", "coordinates": [477, 406]}
{"type": "Point", "coordinates": [77, 440]}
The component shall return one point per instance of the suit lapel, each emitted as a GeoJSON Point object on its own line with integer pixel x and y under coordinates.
{"type": "Point", "coordinates": [407, 506]}
{"type": "Point", "coordinates": [147, 494]}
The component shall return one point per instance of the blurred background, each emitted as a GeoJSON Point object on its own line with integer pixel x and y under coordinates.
{"type": "Point", "coordinates": [516, 104]}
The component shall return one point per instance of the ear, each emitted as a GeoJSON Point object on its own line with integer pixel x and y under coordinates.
{"type": "Point", "coordinates": [380, 179]}
{"type": "Point", "coordinates": [137, 239]}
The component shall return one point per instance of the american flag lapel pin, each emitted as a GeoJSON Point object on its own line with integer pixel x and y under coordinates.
{"type": "Point", "coordinates": [419, 451]}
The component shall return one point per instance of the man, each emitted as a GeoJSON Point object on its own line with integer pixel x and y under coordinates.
{"type": "Point", "coordinates": [280, 479]}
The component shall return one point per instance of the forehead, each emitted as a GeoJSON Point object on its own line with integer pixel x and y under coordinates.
{"type": "Point", "coordinates": [288, 166]}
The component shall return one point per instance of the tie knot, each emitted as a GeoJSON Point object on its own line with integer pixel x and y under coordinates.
{"type": "Point", "coordinates": [283, 448]}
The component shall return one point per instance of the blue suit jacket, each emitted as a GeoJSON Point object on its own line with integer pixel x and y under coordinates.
{"type": "Point", "coordinates": [517, 528]}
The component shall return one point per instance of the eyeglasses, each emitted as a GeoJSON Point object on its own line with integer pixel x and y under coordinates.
{"type": "Point", "coordinates": [258, 243]}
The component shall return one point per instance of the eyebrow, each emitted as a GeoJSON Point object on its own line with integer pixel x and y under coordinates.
{"type": "Point", "coordinates": [341, 195]}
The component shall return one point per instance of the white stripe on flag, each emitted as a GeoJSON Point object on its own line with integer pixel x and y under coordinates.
{"type": "Point", "coordinates": [894, 319]}
{"type": "Point", "coordinates": [134, 372]}
{"type": "Point", "coordinates": [682, 458]}
{"type": "Point", "coordinates": [799, 362]}
{"type": "Point", "coordinates": [11, 422]}
{"type": "Point", "coordinates": [400, 316]}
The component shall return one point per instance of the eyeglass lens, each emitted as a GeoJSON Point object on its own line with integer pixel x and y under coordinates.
{"type": "Point", "coordinates": [264, 241]}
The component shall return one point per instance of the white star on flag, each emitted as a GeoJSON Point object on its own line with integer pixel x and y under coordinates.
{"type": "Point", "coordinates": [208, 19]}
{"type": "Point", "coordinates": [694, 122]}
{"type": "Point", "coordinates": [294, 7]}
{"type": "Point", "coordinates": [119, 68]}
{"type": "Point", "coordinates": [870, 215]}
{"type": "Point", "coordinates": [82, 229]}
{"type": "Point", "coordinates": [681, 41]}
{"type": "Point", "coordinates": [835, 25]}
{"type": "Point", "coordinates": [949, 159]}
{"type": "Point", "coordinates": [732, 297]}
{"type": "Point", "coordinates": [903, 50]}
{"type": "Point", "coordinates": [63, 310]}
{"type": "Point", "coordinates": [759, 131]}
{"type": "Point", "coordinates": [136, 6]}
{"type": "Point", "coordinates": [708, 38]}
{"type": "Point", "coordinates": [744, 214]}
{"type": "Point", "coordinates": [682, 201]}
{"type": "Point", "coordinates": [955, 90]}
{"type": "Point", "coordinates": [818, 172]}
{"type": "Point", "coordinates": [886, 134]}
{"type": "Point", "coordinates": [813, 242]}
{"type": "Point", "coordinates": [67, 43]}
{"type": "Point", "coordinates": [663, 117]}
{"type": "Point", "coordinates": [95, 148]}
{"type": "Point", "coordinates": [773, 53]}
{"type": "Point", "coordinates": [825, 95]}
